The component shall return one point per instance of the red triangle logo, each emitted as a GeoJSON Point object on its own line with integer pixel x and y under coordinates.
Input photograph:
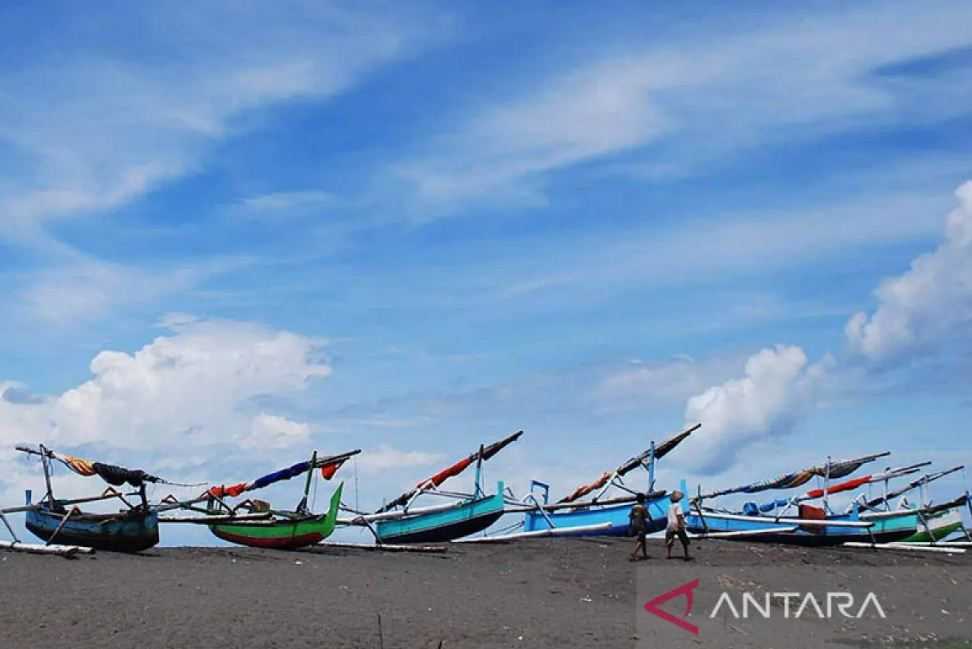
{"type": "Point", "coordinates": [686, 591]}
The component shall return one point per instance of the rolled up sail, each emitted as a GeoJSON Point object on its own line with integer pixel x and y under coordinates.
{"type": "Point", "coordinates": [863, 480]}
{"type": "Point", "coordinates": [327, 465]}
{"type": "Point", "coordinates": [660, 451]}
{"type": "Point", "coordinates": [484, 453]}
{"type": "Point", "coordinates": [834, 470]}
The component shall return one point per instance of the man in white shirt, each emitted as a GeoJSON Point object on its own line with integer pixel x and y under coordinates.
{"type": "Point", "coordinates": [676, 525]}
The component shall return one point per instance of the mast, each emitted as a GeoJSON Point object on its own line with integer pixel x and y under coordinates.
{"type": "Point", "coordinates": [826, 505]}
{"type": "Point", "coordinates": [479, 473]}
{"type": "Point", "coordinates": [302, 507]}
{"type": "Point", "coordinates": [651, 468]}
{"type": "Point", "coordinates": [47, 473]}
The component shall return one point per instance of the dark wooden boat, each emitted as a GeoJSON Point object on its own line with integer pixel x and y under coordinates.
{"type": "Point", "coordinates": [132, 530]}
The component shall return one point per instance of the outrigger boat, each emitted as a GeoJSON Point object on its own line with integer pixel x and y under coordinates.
{"type": "Point", "coordinates": [937, 522]}
{"type": "Point", "coordinates": [133, 529]}
{"type": "Point", "coordinates": [398, 522]}
{"type": "Point", "coordinates": [275, 528]}
{"type": "Point", "coordinates": [812, 525]}
{"type": "Point", "coordinates": [571, 516]}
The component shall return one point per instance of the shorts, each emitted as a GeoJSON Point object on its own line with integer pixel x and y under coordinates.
{"type": "Point", "coordinates": [671, 534]}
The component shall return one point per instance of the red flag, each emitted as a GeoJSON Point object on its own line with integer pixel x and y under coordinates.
{"type": "Point", "coordinates": [328, 470]}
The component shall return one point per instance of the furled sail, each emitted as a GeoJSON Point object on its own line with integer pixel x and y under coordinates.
{"type": "Point", "coordinates": [660, 451]}
{"type": "Point", "coordinates": [854, 483]}
{"type": "Point", "coordinates": [110, 473]}
{"type": "Point", "coordinates": [327, 465]}
{"type": "Point", "coordinates": [835, 470]}
{"type": "Point", "coordinates": [484, 453]}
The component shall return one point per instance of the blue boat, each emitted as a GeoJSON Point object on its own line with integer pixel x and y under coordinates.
{"type": "Point", "coordinates": [581, 516]}
{"type": "Point", "coordinates": [812, 526]}
{"type": "Point", "coordinates": [587, 515]}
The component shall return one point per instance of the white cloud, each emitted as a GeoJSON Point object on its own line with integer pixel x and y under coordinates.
{"type": "Point", "coordinates": [717, 92]}
{"type": "Point", "coordinates": [386, 458]}
{"type": "Point", "coordinates": [274, 431]}
{"type": "Point", "coordinates": [93, 130]}
{"type": "Point", "coordinates": [929, 306]}
{"type": "Point", "coordinates": [285, 201]}
{"type": "Point", "coordinates": [87, 289]}
{"type": "Point", "coordinates": [778, 388]}
{"type": "Point", "coordinates": [191, 388]}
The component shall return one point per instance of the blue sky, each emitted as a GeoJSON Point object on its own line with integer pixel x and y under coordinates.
{"type": "Point", "coordinates": [232, 234]}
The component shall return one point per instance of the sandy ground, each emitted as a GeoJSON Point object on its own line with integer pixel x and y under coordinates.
{"type": "Point", "coordinates": [544, 593]}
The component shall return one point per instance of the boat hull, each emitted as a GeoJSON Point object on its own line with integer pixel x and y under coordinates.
{"type": "Point", "coordinates": [282, 534]}
{"type": "Point", "coordinates": [131, 531]}
{"type": "Point", "coordinates": [942, 526]}
{"type": "Point", "coordinates": [616, 515]}
{"type": "Point", "coordinates": [279, 535]}
{"type": "Point", "coordinates": [466, 518]}
{"type": "Point", "coordinates": [886, 529]}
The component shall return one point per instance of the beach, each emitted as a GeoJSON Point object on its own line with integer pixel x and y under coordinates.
{"type": "Point", "coordinates": [540, 593]}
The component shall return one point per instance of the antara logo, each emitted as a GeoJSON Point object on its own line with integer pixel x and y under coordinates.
{"type": "Point", "coordinates": [797, 605]}
{"type": "Point", "coordinates": [794, 606]}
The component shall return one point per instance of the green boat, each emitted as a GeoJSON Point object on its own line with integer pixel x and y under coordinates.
{"type": "Point", "coordinates": [287, 531]}
{"type": "Point", "coordinates": [941, 526]}
{"type": "Point", "coordinates": [283, 530]}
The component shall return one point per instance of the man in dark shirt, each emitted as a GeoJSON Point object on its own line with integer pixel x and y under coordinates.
{"type": "Point", "coordinates": [638, 526]}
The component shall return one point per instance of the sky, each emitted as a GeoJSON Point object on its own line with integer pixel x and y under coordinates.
{"type": "Point", "coordinates": [231, 234]}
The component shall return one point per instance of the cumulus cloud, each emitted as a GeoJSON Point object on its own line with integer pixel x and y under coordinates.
{"type": "Point", "coordinates": [386, 458]}
{"type": "Point", "coordinates": [688, 88]}
{"type": "Point", "coordinates": [930, 305]}
{"type": "Point", "coordinates": [274, 431]}
{"type": "Point", "coordinates": [778, 387]}
{"type": "Point", "coordinates": [195, 386]}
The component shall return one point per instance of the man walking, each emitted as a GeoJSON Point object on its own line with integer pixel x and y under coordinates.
{"type": "Point", "coordinates": [676, 526]}
{"type": "Point", "coordinates": [638, 526]}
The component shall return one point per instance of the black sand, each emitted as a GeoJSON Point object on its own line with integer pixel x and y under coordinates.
{"type": "Point", "coordinates": [549, 593]}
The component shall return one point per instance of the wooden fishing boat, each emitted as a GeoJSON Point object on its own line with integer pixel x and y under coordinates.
{"type": "Point", "coordinates": [282, 530]}
{"type": "Point", "coordinates": [287, 531]}
{"type": "Point", "coordinates": [812, 526]}
{"type": "Point", "coordinates": [132, 530]}
{"type": "Point", "coordinates": [937, 522]}
{"type": "Point", "coordinates": [939, 527]}
{"type": "Point", "coordinates": [584, 516]}
{"type": "Point", "coordinates": [462, 519]}
{"type": "Point", "coordinates": [399, 522]}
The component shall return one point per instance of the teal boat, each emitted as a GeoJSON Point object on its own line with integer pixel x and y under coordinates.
{"type": "Point", "coordinates": [459, 520]}
{"type": "Point", "coordinates": [399, 522]}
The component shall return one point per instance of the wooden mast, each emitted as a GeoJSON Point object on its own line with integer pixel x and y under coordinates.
{"type": "Point", "coordinates": [302, 507]}
{"type": "Point", "coordinates": [47, 474]}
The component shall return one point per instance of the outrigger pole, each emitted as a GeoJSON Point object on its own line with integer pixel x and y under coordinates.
{"type": "Point", "coordinates": [874, 503]}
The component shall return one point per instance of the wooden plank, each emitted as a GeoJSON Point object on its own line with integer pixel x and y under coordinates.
{"type": "Point", "coordinates": [907, 547]}
{"type": "Point", "coordinates": [535, 534]}
{"type": "Point", "coordinates": [217, 518]}
{"type": "Point", "coordinates": [743, 533]}
{"type": "Point", "coordinates": [36, 548]}
{"type": "Point", "coordinates": [386, 547]}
